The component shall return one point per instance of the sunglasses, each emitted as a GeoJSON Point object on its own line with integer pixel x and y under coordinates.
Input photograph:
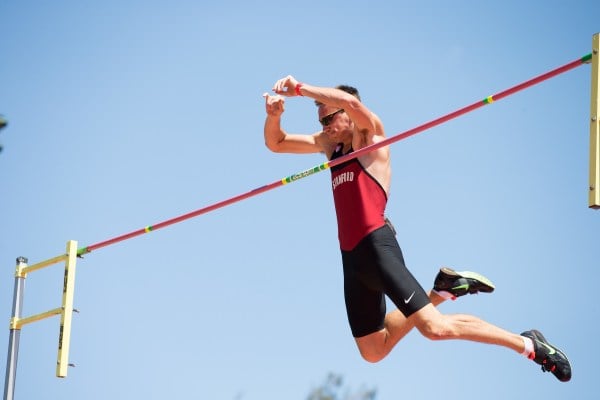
{"type": "Point", "coordinates": [326, 120]}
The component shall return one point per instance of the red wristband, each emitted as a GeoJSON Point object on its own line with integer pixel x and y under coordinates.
{"type": "Point", "coordinates": [297, 89]}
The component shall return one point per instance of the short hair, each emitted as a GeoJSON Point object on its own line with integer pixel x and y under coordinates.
{"type": "Point", "coordinates": [349, 89]}
{"type": "Point", "coordinates": [346, 88]}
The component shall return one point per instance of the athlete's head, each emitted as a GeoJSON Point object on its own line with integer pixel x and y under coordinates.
{"type": "Point", "coordinates": [349, 89]}
{"type": "Point", "coordinates": [335, 122]}
{"type": "Point", "coordinates": [346, 88]}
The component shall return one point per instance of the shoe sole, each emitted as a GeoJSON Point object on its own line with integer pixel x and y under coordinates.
{"type": "Point", "coordinates": [469, 275]}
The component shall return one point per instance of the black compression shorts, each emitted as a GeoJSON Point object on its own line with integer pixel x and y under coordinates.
{"type": "Point", "coordinates": [374, 268]}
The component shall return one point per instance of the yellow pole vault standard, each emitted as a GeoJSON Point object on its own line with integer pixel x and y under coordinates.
{"type": "Point", "coordinates": [64, 336]}
{"type": "Point", "coordinates": [594, 195]}
{"type": "Point", "coordinates": [65, 311]}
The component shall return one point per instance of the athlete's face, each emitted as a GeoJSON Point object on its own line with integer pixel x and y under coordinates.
{"type": "Point", "coordinates": [335, 122]}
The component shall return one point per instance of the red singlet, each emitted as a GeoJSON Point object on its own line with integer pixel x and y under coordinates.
{"type": "Point", "coordinates": [359, 201]}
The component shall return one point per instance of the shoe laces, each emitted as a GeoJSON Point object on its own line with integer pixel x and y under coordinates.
{"type": "Point", "coordinates": [548, 365]}
{"type": "Point", "coordinates": [551, 362]}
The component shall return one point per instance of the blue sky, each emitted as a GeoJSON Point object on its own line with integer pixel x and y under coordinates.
{"type": "Point", "coordinates": [125, 114]}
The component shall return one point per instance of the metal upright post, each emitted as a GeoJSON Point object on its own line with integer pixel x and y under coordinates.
{"type": "Point", "coordinates": [15, 331]}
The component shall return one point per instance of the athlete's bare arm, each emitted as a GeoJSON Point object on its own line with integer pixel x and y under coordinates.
{"type": "Point", "coordinates": [367, 129]}
{"type": "Point", "coordinates": [278, 140]}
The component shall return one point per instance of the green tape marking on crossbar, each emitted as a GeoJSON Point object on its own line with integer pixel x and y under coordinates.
{"type": "Point", "coordinates": [305, 173]}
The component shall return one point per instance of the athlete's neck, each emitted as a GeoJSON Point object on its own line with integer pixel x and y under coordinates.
{"type": "Point", "coordinates": [343, 147]}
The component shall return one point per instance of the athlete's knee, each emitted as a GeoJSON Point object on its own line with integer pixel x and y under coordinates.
{"type": "Point", "coordinates": [372, 355]}
{"type": "Point", "coordinates": [373, 347]}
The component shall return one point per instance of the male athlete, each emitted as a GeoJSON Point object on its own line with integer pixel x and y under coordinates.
{"type": "Point", "coordinates": [372, 260]}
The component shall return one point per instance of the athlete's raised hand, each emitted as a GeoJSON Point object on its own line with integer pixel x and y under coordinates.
{"type": "Point", "coordinates": [286, 86]}
{"type": "Point", "coordinates": [274, 105]}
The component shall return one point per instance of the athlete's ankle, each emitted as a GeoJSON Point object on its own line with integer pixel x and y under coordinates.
{"type": "Point", "coordinates": [444, 294]}
{"type": "Point", "coordinates": [528, 351]}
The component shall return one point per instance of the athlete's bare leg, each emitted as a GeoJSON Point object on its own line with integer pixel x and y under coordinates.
{"type": "Point", "coordinates": [435, 326]}
{"type": "Point", "coordinates": [377, 345]}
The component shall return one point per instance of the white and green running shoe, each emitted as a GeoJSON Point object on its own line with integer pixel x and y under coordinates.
{"type": "Point", "coordinates": [461, 283]}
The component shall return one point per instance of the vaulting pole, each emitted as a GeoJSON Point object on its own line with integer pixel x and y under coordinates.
{"type": "Point", "coordinates": [337, 161]}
